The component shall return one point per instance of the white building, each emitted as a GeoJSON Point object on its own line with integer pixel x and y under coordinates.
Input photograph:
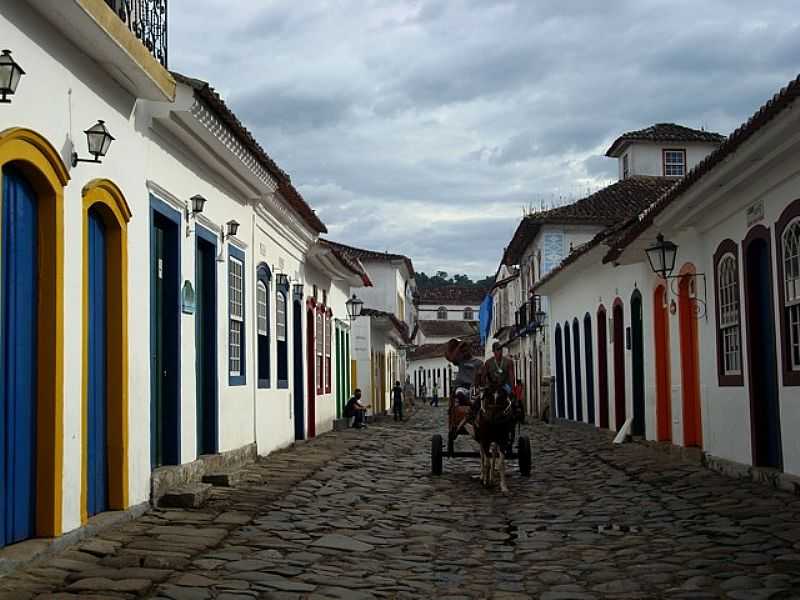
{"type": "Point", "coordinates": [382, 335]}
{"type": "Point", "coordinates": [450, 303]}
{"type": "Point", "coordinates": [143, 334]}
{"type": "Point", "coordinates": [649, 162]}
{"type": "Point", "coordinates": [705, 358]}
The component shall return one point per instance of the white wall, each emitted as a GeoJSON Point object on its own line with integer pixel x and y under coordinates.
{"type": "Point", "coordinates": [455, 312]}
{"type": "Point", "coordinates": [647, 159]}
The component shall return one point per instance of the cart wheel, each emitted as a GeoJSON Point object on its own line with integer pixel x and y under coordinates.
{"type": "Point", "coordinates": [436, 455]}
{"type": "Point", "coordinates": [524, 449]}
{"type": "Point", "coordinates": [451, 443]}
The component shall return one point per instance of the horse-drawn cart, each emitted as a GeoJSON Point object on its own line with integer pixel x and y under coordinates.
{"type": "Point", "coordinates": [457, 411]}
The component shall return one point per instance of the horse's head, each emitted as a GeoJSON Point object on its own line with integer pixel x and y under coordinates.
{"type": "Point", "coordinates": [496, 403]}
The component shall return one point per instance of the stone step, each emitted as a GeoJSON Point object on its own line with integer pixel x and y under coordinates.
{"type": "Point", "coordinates": [192, 495]}
{"type": "Point", "coordinates": [223, 478]}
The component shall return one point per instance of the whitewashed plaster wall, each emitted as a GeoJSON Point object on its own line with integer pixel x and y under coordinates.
{"type": "Point", "coordinates": [647, 159]}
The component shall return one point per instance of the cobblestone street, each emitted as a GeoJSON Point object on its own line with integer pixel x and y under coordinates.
{"type": "Point", "coordinates": [357, 515]}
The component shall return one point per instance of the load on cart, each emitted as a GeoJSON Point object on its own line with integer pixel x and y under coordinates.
{"type": "Point", "coordinates": [482, 405]}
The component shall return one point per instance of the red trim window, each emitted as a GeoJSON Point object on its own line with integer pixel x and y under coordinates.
{"type": "Point", "coordinates": [328, 337]}
{"type": "Point", "coordinates": [674, 160]}
{"type": "Point", "coordinates": [729, 320]}
{"type": "Point", "coordinates": [787, 239]}
{"type": "Point", "coordinates": [319, 342]}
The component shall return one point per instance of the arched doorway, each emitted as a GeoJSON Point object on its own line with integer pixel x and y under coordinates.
{"type": "Point", "coordinates": [298, 381]}
{"type": "Point", "coordinates": [662, 365]}
{"type": "Point", "coordinates": [310, 389]}
{"type": "Point", "coordinates": [576, 348]}
{"type": "Point", "coordinates": [619, 364]}
{"type": "Point", "coordinates": [690, 377]}
{"type": "Point", "coordinates": [602, 366]}
{"type": "Point", "coordinates": [31, 347]}
{"type": "Point", "coordinates": [559, 373]}
{"type": "Point", "coordinates": [568, 371]}
{"type": "Point", "coordinates": [104, 483]}
{"type": "Point", "coordinates": [637, 363]}
{"type": "Point", "coordinates": [588, 348]}
{"type": "Point", "coordinates": [765, 424]}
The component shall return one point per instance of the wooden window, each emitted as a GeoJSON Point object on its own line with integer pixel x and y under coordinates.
{"type": "Point", "coordinates": [319, 342]}
{"type": "Point", "coordinates": [469, 315]}
{"type": "Point", "coordinates": [791, 291]}
{"type": "Point", "coordinates": [328, 336]}
{"type": "Point", "coordinates": [236, 311]}
{"type": "Point", "coordinates": [674, 163]}
{"type": "Point", "coordinates": [261, 309]}
{"type": "Point", "coordinates": [729, 315]}
{"type": "Point", "coordinates": [280, 314]}
{"type": "Point", "coordinates": [441, 313]}
{"type": "Point", "coordinates": [262, 326]}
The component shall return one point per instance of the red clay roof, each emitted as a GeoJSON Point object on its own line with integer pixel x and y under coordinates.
{"type": "Point", "coordinates": [348, 261]}
{"type": "Point", "coordinates": [615, 203]}
{"type": "Point", "coordinates": [452, 294]}
{"type": "Point", "coordinates": [362, 254]}
{"type": "Point", "coordinates": [449, 329]}
{"type": "Point", "coordinates": [399, 325]}
{"type": "Point", "coordinates": [663, 132]}
{"type": "Point", "coordinates": [285, 187]}
{"type": "Point", "coordinates": [768, 111]}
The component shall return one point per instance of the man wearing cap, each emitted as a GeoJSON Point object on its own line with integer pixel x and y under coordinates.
{"type": "Point", "coordinates": [498, 371]}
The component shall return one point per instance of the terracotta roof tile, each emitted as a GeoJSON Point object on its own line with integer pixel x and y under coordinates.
{"type": "Point", "coordinates": [349, 261]}
{"type": "Point", "coordinates": [768, 111]}
{"type": "Point", "coordinates": [452, 294]}
{"type": "Point", "coordinates": [363, 255]}
{"type": "Point", "coordinates": [615, 203]}
{"type": "Point", "coordinates": [426, 351]}
{"type": "Point", "coordinates": [449, 329]}
{"type": "Point", "coordinates": [663, 132]}
{"type": "Point", "coordinates": [285, 187]}
{"type": "Point", "coordinates": [399, 325]}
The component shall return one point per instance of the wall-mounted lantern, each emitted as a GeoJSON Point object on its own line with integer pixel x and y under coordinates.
{"type": "Point", "coordinates": [662, 256]}
{"type": "Point", "coordinates": [99, 140]}
{"type": "Point", "coordinates": [282, 281]}
{"type": "Point", "coordinates": [354, 307]}
{"type": "Point", "coordinates": [297, 292]}
{"type": "Point", "coordinates": [10, 74]}
{"type": "Point", "coordinates": [231, 228]}
{"type": "Point", "coordinates": [196, 202]}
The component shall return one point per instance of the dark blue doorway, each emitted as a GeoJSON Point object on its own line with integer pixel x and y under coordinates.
{"type": "Point", "coordinates": [18, 345]}
{"type": "Point", "coordinates": [165, 316]}
{"type": "Point", "coordinates": [97, 388]}
{"type": "Point", "coordinates": [588, 347]}
{"type": "Point", "coordinates": [559, 374]}
{"type": "Point", "coordinates": [765, 424]}
{"type": "Point", "coordinates": [298, 382]}
{"type": "Point", "coordinates": [568, 372]}
{"type": "Point", "coordinates": [206, 342]}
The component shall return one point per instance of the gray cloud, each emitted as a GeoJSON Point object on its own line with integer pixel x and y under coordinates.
{"type": "Point", "coordinates": [424, 126]}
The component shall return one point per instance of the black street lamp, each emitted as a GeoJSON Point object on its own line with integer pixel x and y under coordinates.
{"type": "Point", "coordinates": [297, 292]}
{"type": "Point", "coordinates": [231, 228]}
{"type": "Point", "coordinates": [197, 204]}
{"type": "Point", "coordinates": [99, 140]}
{"type": "Point", "coordinates": [10, 74]}
{"type": "Point", "coordinates": [662, 256]}
{"type": "Point", "coordinates": [354, 307]}
{"type": "Point", "coordinates": [282, 281]}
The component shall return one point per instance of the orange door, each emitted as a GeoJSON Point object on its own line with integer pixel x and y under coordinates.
{"type": "Point", "coordinates": [690, 381]}
{"type": "Point", "coordinates": [661, 338]}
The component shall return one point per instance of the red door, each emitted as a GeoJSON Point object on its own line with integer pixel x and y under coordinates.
{"type": "Point", "coordinates": [661, 339]}
{"type": "Point", "coordinates": [690, 380]}
{"type": "Point", "coordinates": [311, 391]}
{"type": "Point", "coordinates": [619, 364]}
{"type": "Point", "coordinates": [602, 365]}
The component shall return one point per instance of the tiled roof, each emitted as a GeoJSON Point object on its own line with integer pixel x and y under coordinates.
{"type": "Point", "coordinates": [399, 325]}
{"type": "Point", "coordinates": [350, 262]}
{"type": "Point", "coordinates": [452, 294]}
{"type": "Point", "coordinates": [426, 351]}
{"type": "Point", "coordinates": [364, 255]}
{"type": "Point", "coordinates": [768, 111]}
{"type": "Point", "coordinates": [449, 329]}
{"type": "Point", "coordinates": [663, 132]}
{"type": "Point", "coordinates": [613, 204]}
{"type": "Point", "coordinates": [285, 187]}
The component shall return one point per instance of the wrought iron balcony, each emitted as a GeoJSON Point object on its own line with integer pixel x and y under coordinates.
{"type": "Point", "coordinates": [147, 20]}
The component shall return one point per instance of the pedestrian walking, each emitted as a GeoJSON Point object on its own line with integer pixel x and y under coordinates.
{"type": "Point", "coordinates": [397, 401]}
{"type": "Point", "coordinates": [435, 399]}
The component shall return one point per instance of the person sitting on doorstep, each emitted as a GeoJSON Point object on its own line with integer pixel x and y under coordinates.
{"type": "Point", "coordinates": [355, 410]}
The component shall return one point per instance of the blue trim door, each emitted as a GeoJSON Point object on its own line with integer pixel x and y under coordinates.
{"type": "Point", "coordinates": [97, 430]}
{"type": "Point", "coordinates": [165, 343]}
{"type": "Point", "coordinates": [206, 342]}
{"type": "Point", "coordinates": [299, 396]}
{"type": "Point", "coordinates": [18, 345]}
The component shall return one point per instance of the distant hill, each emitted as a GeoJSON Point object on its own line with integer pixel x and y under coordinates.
{"type": "Point", "coordinates": [442, 279]}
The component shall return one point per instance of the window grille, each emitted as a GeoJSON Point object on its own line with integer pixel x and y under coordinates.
{"type": "Point", "coordinates": [728, 299]}
{"type": "Point", "coordinates": [236, 307]}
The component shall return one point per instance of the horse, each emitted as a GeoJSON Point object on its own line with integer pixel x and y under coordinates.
{"type": "Point", "coordinates": [494, 432]}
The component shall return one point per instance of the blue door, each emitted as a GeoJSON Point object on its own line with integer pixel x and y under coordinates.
{"type": "Point", "coordinates": [299, 396]}
{"type": "Point", "coordinates": [97, 468]}
{"type": "Point", "coordinates": [18, 347]}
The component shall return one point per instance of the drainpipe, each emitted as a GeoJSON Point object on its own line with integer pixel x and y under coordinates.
{"type": "Point", "coordinates": [254, 353]}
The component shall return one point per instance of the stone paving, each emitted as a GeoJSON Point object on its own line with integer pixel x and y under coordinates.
{"type": "Point", "coordinates": [356, 514]}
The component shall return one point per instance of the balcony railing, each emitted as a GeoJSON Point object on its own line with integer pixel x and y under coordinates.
{"type": "Point", "coordinates": [147, 20]}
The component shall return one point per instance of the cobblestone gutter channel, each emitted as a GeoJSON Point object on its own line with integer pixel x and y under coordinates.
{"type": "Point", "coordinates": [358, 515]}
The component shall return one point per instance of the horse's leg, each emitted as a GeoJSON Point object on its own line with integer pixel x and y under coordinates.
{"type": "Point", "coordinates": [492, 462]}
{"type": "Point", "coordinates": [483, 465]}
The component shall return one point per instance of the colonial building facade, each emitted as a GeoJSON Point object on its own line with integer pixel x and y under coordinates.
{"type": "Point", "coordinates": [704, 354]}
{"type": "Point", "coordinates": [162, 297]}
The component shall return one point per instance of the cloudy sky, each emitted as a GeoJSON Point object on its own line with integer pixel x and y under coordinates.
{"type": "Point", "coordinates": [425, 127]}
